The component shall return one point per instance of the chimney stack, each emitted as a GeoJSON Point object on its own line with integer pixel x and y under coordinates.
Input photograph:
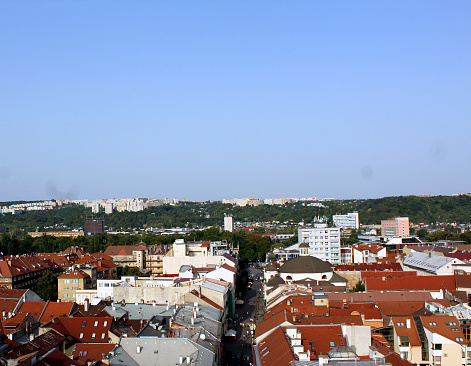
{"type": "Point", "coordinates": [86, 305]}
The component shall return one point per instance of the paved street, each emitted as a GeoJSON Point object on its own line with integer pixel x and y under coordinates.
{"type": "Point", "coordinates": [241, 348]}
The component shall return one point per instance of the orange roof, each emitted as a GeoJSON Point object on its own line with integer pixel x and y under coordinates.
{"type": "Point", "coordinates": [406, 327]}
{"type": "Point", "coordinates": [7, 305]}
{"type": "Point", "coordinates": [445, 325]}
{"type": "Point", "coordinates": [75, 273]}
{"type": "Point", "coordinates": [100, 255]}
{"type": "Point", "coordinates": [55, 309]}
{"type": "Point", "coordinates": [372, 248]}
{"type": "Point", "coordinates": [427, 283]}
{"type": "Point", "coordinates": [400, 308]}
{"type": "Point", "coordinates": [84, 329]}
{"type": "Point", "coordinates": [86, 352]}
{"type": "Point", "coordinates": [275, 349]}
{"type": "Point", "coordinates": [12, 324]}
{"type": "Point", "coordinates": [124, 249]}
{"type": "Point", "coordinates": [321, 337]}
{"type": "Point", "coordinates": [6, 293]}
{"type": "Point", "coordinates": [274, 321]}
{"type": "Point", "coordinates": [34, 308]}
{"type": "Point", "coordinates": [387, 274]}
{"type": "Point", "coordinates": [368, 313]}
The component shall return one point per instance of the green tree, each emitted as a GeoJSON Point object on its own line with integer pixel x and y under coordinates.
{"type": "Point", "coordinates": [47, 286]}
{"type": "Point", "coordinates": [359, 287]}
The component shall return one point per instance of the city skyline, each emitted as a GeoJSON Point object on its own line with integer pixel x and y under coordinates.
{"type": "Point", "coordinates": [207, 100]}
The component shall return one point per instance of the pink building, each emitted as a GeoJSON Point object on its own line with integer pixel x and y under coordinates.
{"type": "Point", "coordinates": [397, 227]}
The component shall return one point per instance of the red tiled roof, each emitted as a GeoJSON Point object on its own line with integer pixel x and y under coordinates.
{"type": "Point", "coordinates": [6, 293]}
{"type": "Point", "coordinates": [369, 267]}
{"type": "Point", "coordinates": [12, 324]}
{"type": "Point", "coordinates": [75, 273]}
{"type": "Point", "coordinates": [406, 327]}
{"type": "Point", "coordinates": [228, 267]}
{"type": "Point", "coordinates": [7, 305]}
{"type": "Point", "coordinates": [275, 349]}
{"type": "Point", "coordinates": [438, 324]}
{"type": "Point", "coordinates": [390, 274]}
{"type": "Point", "coordinates": [372, 248]}
{"type": "Point", "coordinates": [427, 283]}
{"type": "Point", "coordinates": [273, 321]}
{"type": "Point", "coordinates": [124, 249]}
{"type": "Point", "coordinates": [400, 308]}
{"type": "Point", "coordinates": [87, 352]}
{"type": "Point", "coordinates": [57, 358]}
{"type": "Point", "coordinates": [56, 309]}
{"type": "Point", "coordinates": [84, 329]}
{"type": "Point", "coordinates": [34, 308]}
{"type": "Point", "coordinates": [321, 336]}
{"type": "Point", "coordinates": [41, 344]}
{"type": "Point", "coordinates": [463, 281]}
{"type": "Point", "coordinates": [380, 296]}
{"type": "Point", "coordinates": [368, 313]}
{"type": "Point", "coordinates": [100, 255]}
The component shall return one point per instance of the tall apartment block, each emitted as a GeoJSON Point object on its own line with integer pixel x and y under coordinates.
{"type": "Point", "coordinates": [348, 221]}
{"type": "Point", "coordinates": [229, 223]}
{"type": "Point", "coordinates": [397, 227]}
{"type": "Point", "coordinates": [324, 242]}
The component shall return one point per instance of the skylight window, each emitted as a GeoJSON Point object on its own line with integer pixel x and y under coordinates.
{"type": "Point", "coordinates": [332, 344]}
{"type": "Point", "coordinates": [459, 339]}
{"type": "Point", "coordinates": [400, 324]}
{"type": "Point", "coordinates": [432, 324]}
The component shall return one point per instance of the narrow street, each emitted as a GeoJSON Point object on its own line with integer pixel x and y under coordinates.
{"type": "Point", "coordinates": [247, 315]}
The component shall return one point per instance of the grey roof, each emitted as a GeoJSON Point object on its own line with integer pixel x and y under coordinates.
{"type": "Point", "coordinates": [148, 311]}
{"type": "Point", "coordinates": [159, 351]}
{"type": "Point", "coordinates": [305, 264]}
{"type": "Point", "coordinates": [275, 280]}
{"type": "Point", "coordinates": [342, 351]}
{"type": "Point", "coordinates": [427, 261]}
{"type": "Point", "coordinates": [270, 267]}
{"type": "Point", "coordinates": [304, 245]}
{"type": "Point", "coordinates": [214, 286]}
{"type": "Point", "coordinates": [337, 278]}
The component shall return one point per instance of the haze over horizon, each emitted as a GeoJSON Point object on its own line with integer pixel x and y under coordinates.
{"type": "Point", "coordinates": [210, 100]}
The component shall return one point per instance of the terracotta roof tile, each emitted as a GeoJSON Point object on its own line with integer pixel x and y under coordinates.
{"type": "Point", "coordinates": [427, 283]}
{"type": "Point", "coordinates": [87, 352]}
{"type": "Point", "coordinates": [275, 349]}
{"type": "Point", "coordinates": [55, 309]}
{"type": "Point", "coordinates": [34, 308]}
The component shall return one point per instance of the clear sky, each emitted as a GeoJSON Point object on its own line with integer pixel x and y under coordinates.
{"type": "Point", "coordinates": [208, 100]}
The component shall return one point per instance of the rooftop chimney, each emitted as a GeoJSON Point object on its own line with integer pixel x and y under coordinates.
{"type": "Point", "coordinates": [86, 305]}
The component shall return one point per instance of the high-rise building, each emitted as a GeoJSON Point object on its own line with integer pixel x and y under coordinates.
{"type": "Point", "coordinates": [348, 221]}
{"type": "Point", "coordinates": [92, 227]}
{"type": "Point", "coordinates": [323, 241]}
{"type": "Point", "coordinates": [397, 227]}
{"type": "Point", "coordinates": [229, 223]}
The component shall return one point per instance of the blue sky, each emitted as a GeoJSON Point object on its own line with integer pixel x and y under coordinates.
{"type": "Point", "coordinates": [208, 100]}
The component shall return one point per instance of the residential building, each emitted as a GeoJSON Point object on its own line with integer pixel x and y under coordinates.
{"type": "Point", "coordinates": [141, 255]}
{"type": "Point", "coordinates": [229, 223]}
{"type": "Point", "coordinates": [367, 253]}
{"type": "Point", "coordinates": [323, 241]}
{"type": "Point", "coordinates": [430, 264]}
{"type": "Point", "coordinates": [72, 280]}
{"type": "Point", "coordinates": [348, 221]}
{"type": "Point", "coordinates": [397, 227]}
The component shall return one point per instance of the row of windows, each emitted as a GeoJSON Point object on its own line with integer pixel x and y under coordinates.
{"type": "Point", "coordinates": [105, 323]}
{"type": "Point", "coordinates": [103, 336]}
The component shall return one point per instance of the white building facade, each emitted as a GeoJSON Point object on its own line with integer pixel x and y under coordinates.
{"type": "Point", "coordinates": [324, 242]}
{"type": "Point", "coordinates": [348, 221]}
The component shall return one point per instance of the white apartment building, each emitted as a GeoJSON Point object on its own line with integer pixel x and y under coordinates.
{"type": "Point", "coordinates": [229, 223]}
{"type": "Point", "coordinates": [348, 221]}
{"type": "Point", "coordinates": [324, 242]}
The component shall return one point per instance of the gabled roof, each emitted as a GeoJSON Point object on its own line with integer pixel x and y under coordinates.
{"type": "Point", "coordinates": [427, 283]}
{"type": "Point", "coordinates": [445, 325]}
{"type": "Point", "coordinates": [368, 313]}
{"type": "Point", "coordinates": [427, 261]}
{"type": "Point", "coordinates": [275, 349]}
{"type": "Point", "coordinates": [74, 273]}
{"type": "Point", "coordinates": [7, 305]}
{"type": "Point", "coordinates": [388, 274]}
{"type": "Point", "coordinates": [56, 309]}
{"type": "Point", "coordinates": [34, 308]}
{"type": "Point", "coordinates": [57, 358]}
{"type": "Point", "coordinates": [320, 337]}
{"type": "Point", "coordinates": [84, 329]}
{"type": "Point", "coordinates": [114, 250]}
{"type": "Point", "coordinates": [400, 308]}
{"type": "Point", "coordinates": [369, 267]}
{"type": "Point", "coordinates": [41, 344]}
{"type": "Point", "coordinates": [372, 248]}
{"type": "Point", "coordinates": [406, 327]}
{"type": "Point", "coordinates": [6, 293]}
{"type": "Point", "coordinates": [380, 296]}
{"type": "Point", "coordinates": [87, 352]}
{"type": "Point", "coordinates": [273, 321]}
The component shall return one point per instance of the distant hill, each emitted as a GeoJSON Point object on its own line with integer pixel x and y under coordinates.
{"type": "Point", "coordinates": [372, 211]}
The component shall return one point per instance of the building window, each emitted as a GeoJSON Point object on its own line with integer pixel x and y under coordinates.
{"type": "Point", "coordinates": [459, 339]}
{"type": "Point", "coordinates": [438, 360]}
{"type": "Point", "coordinates": [103, 335]}
{"type": "Point", "coordinates": [81, 335]}
{"type": "Point", "coordinates": [96, 323]}
{"type": "Point", "coordinates": [332, 344]}
{"type": "Point", "coordinates": [105, 323]}
{"type": "Point", "coordinates": [437, 346]}
{"type": "Point", "coordinates": [432, 324]}
{"type": "Point", "coordinates": [93, 335]}
{"type": "Point", "coordinates": [400, 324]}
{"type": "Point", "coordinates": [84, 323]}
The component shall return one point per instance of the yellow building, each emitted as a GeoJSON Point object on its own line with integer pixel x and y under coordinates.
{"type": "Point", "coordinates": [70, 281]}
